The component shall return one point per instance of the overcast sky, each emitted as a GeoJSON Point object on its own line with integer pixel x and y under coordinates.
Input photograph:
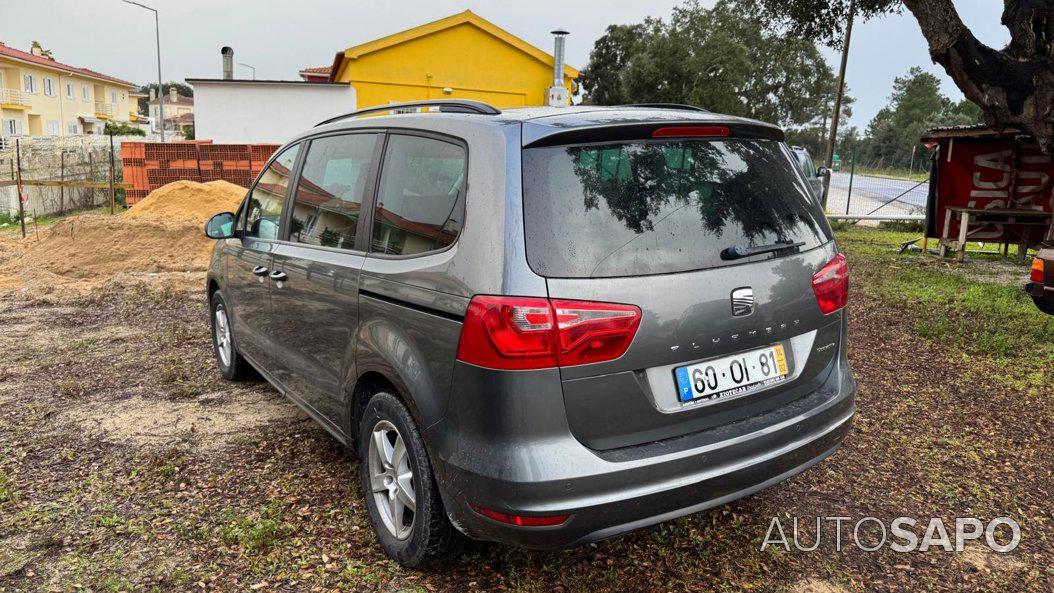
{"type": "Point", "coordinates": [279, 38]}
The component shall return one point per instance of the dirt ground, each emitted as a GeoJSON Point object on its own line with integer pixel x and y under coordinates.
{"type": "Point", "coordinates": [127, 464]}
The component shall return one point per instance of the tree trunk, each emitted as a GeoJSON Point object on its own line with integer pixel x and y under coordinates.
{"type": "Point", "coordinates": [1015, 86]}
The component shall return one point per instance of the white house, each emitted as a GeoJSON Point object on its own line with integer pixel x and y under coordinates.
{"type": "Point", "coordinates": [179, 111]}
{"type": "Point", "coordinates": [264, 111]}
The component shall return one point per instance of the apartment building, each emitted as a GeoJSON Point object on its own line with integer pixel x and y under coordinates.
{"type": "Point", "coordinates": [41, 96]}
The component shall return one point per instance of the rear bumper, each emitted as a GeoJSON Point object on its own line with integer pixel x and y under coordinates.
{"type": "Point", "coordinates": [611, 492]}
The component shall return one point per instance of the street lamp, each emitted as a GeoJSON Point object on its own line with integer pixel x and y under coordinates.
{"type": "Point", "coordinates": [253, 68]}
{"type": "Point", "coordinates": [160, 89]}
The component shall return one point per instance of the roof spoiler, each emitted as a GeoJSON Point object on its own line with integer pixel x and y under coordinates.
{"type": "Point", "coordinates": [536, 136]}
{"type": "Point", "coordinates": [680, 106]}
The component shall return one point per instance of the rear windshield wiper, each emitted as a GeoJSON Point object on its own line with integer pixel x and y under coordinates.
{"type": "Point", "coordinates": [741, 251]}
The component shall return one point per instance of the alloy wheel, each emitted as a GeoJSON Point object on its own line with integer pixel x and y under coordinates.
{"type": "Point", "coordinates": [224, 346]}
{"type": "Point", "coordinates": [392, 479]}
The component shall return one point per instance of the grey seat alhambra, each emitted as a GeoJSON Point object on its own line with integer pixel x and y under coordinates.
{"type": "Point", "coordinates": [541, 326]}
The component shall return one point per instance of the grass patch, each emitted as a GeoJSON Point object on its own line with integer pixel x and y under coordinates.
{"type": "Point", "coordinates": [256, 531]}
{"type": "Point", "coordinates": [8, 219]}
{"type": "Point", "coordinates": [891, 173]}
{"type": "Point", "coordinates": [83, 344]}
{"type": "Point", "coordinates": [951, 306]}
{"type": "Point", "coordinates": [8, 493]}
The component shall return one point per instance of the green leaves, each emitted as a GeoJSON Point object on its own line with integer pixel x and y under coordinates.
{"type": "Point", "coordinates": [713, 58]}
{"type": "Point", "coordinates": [821, 20]}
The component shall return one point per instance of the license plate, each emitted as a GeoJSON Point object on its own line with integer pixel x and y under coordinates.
{"type": "Point", "coordinates": [732, 375]}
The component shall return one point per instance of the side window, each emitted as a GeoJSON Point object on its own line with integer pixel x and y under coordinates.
{"type": "Point", "coordinates": [330, 190]}
{"type": "Point", "coordinates": [421, 202]}
{"type": "Point", "coordinates": [264, 207]}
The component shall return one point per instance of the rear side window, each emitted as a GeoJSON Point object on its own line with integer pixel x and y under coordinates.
{"type": "Point", "coordinates": [330, 191]}
{"type": "Point", "coordinates": [657, 207]}
{"type": "Point", "coordinates": [264, 207]}
{"type": "Point", "coordinates": [421, 201]}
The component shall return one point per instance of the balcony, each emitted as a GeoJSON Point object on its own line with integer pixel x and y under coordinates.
{"type": "Point", "coordinates": [103, 110]}
{"type": "Point", "coordinates": [13, 99]}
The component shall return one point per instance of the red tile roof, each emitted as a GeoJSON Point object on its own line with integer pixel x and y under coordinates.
{"type": "Point", "coordinates": [316, 73]}
{"type": "Point", "coordinates": [49, 63]}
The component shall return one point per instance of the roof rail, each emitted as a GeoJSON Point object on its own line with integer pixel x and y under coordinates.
{"type": "Point", "coordinates": [669, 106]}
{"type": "Point", "coordinates": [443, 105]}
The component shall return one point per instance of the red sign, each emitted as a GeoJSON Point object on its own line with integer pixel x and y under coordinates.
{"type": "Point", "coordinates": [993, 174]}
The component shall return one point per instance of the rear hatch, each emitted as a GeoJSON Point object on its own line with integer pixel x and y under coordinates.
{"type": "Point", "coordinates": [711, 232]}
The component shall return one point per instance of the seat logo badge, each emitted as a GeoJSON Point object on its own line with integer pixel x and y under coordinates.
{"type": "Point", "coordinates": [742, 302]}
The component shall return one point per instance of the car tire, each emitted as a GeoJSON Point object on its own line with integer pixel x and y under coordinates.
{"type": "Point", "coordinates": [232, 366]}
{"type": "Point", "coordinates": [425, 534]}
{"type": "Point", "coordinates": [1044, 303]}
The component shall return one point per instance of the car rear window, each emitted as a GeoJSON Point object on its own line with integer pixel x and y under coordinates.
{"type": "Point", "coordinates": [657, 207]}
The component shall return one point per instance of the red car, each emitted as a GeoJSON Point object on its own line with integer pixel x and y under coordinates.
{"type": "Point", "coordinates": [1041, 287]}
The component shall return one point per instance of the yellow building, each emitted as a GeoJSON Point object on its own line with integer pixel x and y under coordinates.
{"type": "Point", "coordinates": [461, 56]}
{"type": "Point", "coordinates": [41, 96]}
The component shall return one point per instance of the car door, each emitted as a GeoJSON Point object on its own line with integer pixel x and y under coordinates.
{"type": "Point", "coordinates": [315, 304]}
{"type": "Point", "coordinates": [248, 287]}
{"type": "Point", "coordinates": [406, 283]}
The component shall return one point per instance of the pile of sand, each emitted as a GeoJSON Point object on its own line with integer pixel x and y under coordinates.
{"type": "Point", "coordinates": [187, 202]}
{"type": "Point", "coordinates": [96, 246]}
{"type": "Point", "coordinates": [9, 248]}
{"type": "Point", "coordinates": [162, 233]}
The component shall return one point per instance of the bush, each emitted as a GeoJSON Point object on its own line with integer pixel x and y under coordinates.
{"type": "Point", "coordinates": [123, 130]}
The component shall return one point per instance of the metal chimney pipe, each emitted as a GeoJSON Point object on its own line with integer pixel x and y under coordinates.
{"type": "Point", "coordinates": [558, 57]}
{"type": "Point", "coordinates": [228, 62]}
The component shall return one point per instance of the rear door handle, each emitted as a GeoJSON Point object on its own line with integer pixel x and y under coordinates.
{"type": "Point", "coordinates": [278, 276]}
{"type": "Point", "coordinates": [260, 271]}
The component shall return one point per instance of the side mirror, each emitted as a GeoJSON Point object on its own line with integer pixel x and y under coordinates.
{"type": "Point", "coordinates": [220, 226]}
{"type": "Point", "coordinates": [822, 171]}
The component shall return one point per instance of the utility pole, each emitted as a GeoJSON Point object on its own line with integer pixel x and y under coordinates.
{"type": "Point", "coordinates": [160, 88]}
{"type": "Point", "coordinates": [837, 113]}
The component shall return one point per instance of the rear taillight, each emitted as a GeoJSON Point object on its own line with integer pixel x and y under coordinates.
{"type": "Point", "coordinates": [1037, 271]}
{"type": "Point", "coordinates": [508, 333]}
{"type": "Point", "coordinates": [593, 332]}
{"type": "Point", "coordinates": [519, 333]}
{"type": "Point", "coordinates": [831, 285]}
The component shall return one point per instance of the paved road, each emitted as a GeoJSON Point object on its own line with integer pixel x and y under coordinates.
{"type": "Point", "coordinates": [882, 188]}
